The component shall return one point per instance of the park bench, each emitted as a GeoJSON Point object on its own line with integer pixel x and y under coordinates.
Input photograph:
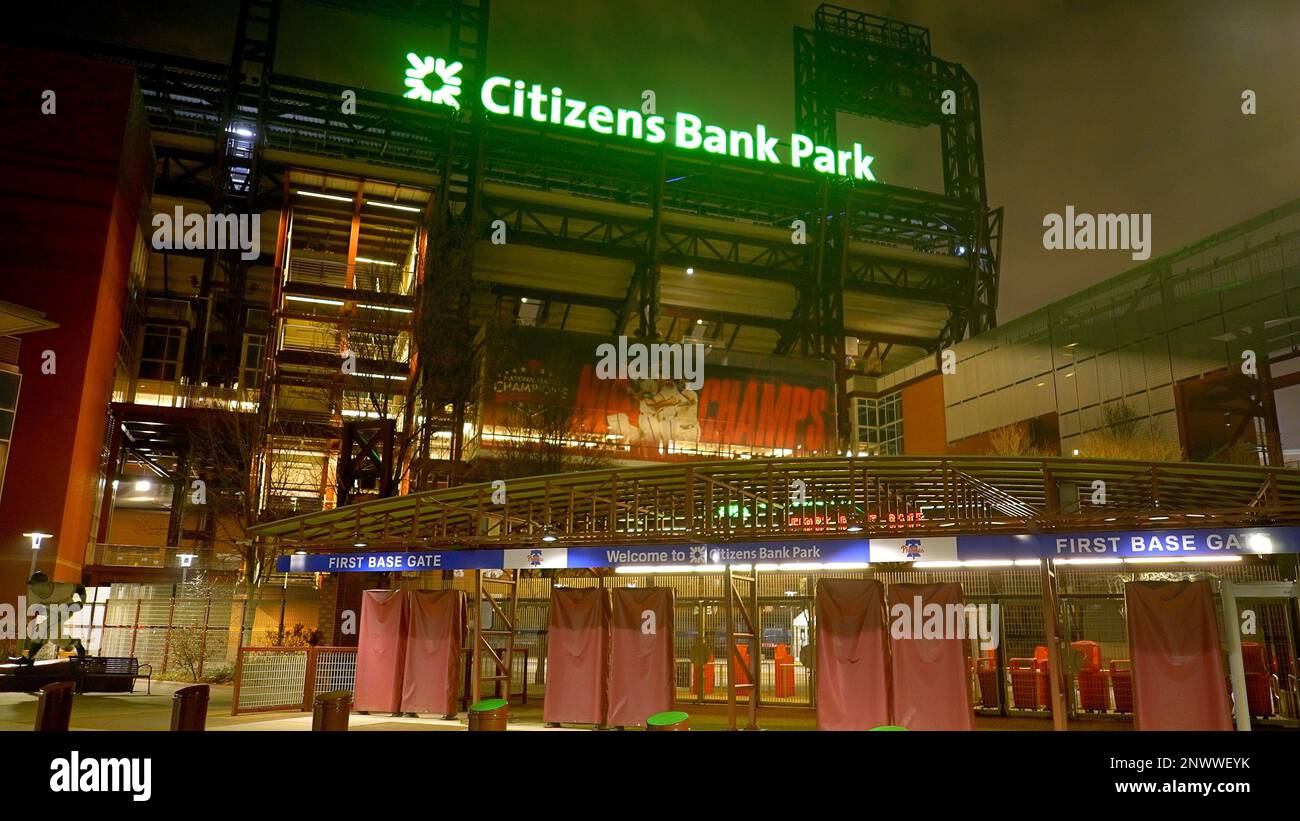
{"type": "Point", "coordinates": [111, 674]}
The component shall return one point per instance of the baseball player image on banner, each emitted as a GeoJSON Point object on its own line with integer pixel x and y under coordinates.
{"type": "Point", "coordinates": [641, 654]}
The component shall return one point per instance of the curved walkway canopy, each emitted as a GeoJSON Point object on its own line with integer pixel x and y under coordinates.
{"type": "Point", "coordinates": [739, 500]}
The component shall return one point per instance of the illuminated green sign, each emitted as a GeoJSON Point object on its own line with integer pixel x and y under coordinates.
{"type": "Point", "coordinates": [435, 81]}
{"type": "Point", "coordinates": [448, 81]}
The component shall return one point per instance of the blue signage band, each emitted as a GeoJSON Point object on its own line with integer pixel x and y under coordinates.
{"type": "Point", "coordinates": [1207, 543]}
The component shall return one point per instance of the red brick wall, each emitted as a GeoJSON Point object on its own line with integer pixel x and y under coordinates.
{"type": "Point", "coordinates": [72, 188]}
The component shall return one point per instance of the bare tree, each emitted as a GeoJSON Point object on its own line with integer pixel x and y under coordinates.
{"type": "Point", "coordinates": [528, 438]}
{"type": "Point", "coordinates": [186, 648]}
{"type": "Point", "coordinates": [534, 440]}
{"type": "Point", "coordinates": [380, 338]}
{"type": "Point", "coordinates": [1015, 439]}
{"type": "Point", "coordinates": [235, 464]}
{"type": "Point", "coordinates": [445, 345]}
{"type": "Point", "coordinates": [1126, 435]}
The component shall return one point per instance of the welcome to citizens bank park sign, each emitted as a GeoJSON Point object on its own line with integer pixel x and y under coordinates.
{"type": "Point", "coordinates": [1099, 545]}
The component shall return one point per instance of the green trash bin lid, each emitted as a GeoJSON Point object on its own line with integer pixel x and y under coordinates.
{"type": "Point", "coordinates": [667, 718]}
{"type": "Point", "coordinates": [487, 705]}
{"type": "Point", "coordinates": [889, 727]}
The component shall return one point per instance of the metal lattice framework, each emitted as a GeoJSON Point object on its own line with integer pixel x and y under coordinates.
{"type": "Point", "coordinates": [653, 206]}
{"type": "Point", "coordinates": [857, 63]}
{"type": "Point", "coordinates": [751, 500]}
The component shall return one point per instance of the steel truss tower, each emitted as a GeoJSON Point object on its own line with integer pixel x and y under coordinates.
{"type": "Point", "coordinates": [237, 185]}
{"type": "Point", "coordinates": [860, 64]}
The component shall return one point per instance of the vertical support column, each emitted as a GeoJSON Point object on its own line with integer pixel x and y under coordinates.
{"type": "Point", "coordinates": [475, 655]}
{"type": "Point", "coordinates": [732, 654]}
{"type": "Point", "coordinates": [510, 639]}
{"type": "Point", "coordinates": [755, 650]}
{"type": "Point", "coordinates": [690, 502]}
{"type": "Point", "coordinates": [702, 654]}
{"type": "Point", "coordinates": [167, 638]}
{"type": "Point", "coordinates": [1055, 660]}
{"type": "Point", "coordinates": [203, 638]}
{"type": "Point", "coordinates": [1236, 665]}
{"type": "Point", "coordinates": [648, 298]}
{"type": "Point", "coordinates": [831, 309]}
{"type": "Point", "coordinates": [135, 627]}
{"type": "Point", "coordinates": [1272, 431]}
{"type": "Point", "coordinates": [112, 469]}
{"type": "Point", "coordinates": [175, 518]}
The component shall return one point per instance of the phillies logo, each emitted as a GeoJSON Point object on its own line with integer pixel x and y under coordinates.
{"type": "Point", "coordinates": [535, 558]}
{"type": "Point", "coordinates": [912, 549]}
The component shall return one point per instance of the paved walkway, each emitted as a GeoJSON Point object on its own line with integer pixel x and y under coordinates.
{"type": "Point", "coordinates": [140, 711]}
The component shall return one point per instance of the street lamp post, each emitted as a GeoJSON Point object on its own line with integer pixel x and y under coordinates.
{"type": "Point", "coordinates": [37, 537]}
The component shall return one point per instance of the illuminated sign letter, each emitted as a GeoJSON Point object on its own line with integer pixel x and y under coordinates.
{"type": "Point", "coordinates": [688, 130]}
{"type": "Point", "coordinates": [800, 147]}
{"type": "Point", "coordinates": [491, 85]}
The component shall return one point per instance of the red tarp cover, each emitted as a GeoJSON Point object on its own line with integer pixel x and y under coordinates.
{"type": "Point", "coordinates": [930, 687]}
{"type": "Point", "coordinates": [435, 633]}
{"type": "Point", "coordinates": [1173, 639]}
{"type": "Point", "coordinates": [577, 656]}
{"type": "Point", "coordinates": [381, 649]}
{"type": "Point", "coordinates": [852, 684]}
{"type": "Point", "coordinates": [640, 655]}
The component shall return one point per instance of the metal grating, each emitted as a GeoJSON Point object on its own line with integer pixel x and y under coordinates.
{"type": "Point", "coordinates": [271, 679]}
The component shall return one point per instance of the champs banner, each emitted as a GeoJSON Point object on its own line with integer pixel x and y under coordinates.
{"type": "Point", "coordinates": [651, 400]}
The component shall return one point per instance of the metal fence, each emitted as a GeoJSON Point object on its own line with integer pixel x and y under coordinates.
{"type": "Point", "coordinates": [192, 636]}
{"type": "Point", "coordinates": [288, 678]}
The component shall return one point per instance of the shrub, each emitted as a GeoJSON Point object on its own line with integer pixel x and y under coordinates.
{"type": "Point", "coordinates": [300, 636]}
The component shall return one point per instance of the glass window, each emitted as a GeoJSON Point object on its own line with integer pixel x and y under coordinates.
{"type": "Point", "coordinates": [880, 424]}
{"type": "Point", "coordinates": [250, 372]}
{"type": "Point", "coordinates": [160, 352]}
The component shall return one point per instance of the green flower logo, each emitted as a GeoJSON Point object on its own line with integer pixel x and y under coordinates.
{"type": "Point", "coordinates": [446, 73]}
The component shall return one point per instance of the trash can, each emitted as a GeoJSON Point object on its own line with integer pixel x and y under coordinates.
{"type": "Point", "coordinates": [330, 711]}
{"type": "Point", "coordinates": [490, 714]}
{"type": "Point", "coordinates": [190, 708]}
{"type": "Point", "coordinates": [668, 721]}
{"type": "Point", "coordinates": [54, 709]}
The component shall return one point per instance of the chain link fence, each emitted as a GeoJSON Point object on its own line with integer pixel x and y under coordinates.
{"type": "Point", "coordinates": [193, 633]}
